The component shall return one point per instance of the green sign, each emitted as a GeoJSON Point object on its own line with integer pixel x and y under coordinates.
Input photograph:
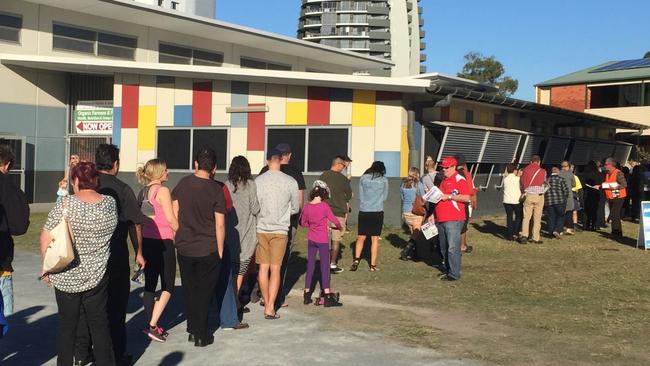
{"type": "Point", "coordinates": [94, 115]}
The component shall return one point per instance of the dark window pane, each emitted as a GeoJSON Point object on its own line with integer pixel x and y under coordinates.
{"type": "Point", "coordinates": [161, 79]}
{"type": "Point", "coordinates": [167, 59]}
{"type": "Point", "coordinates": [207, 58]}
{"type": "Point", "coordinates": [115, 51]}
{"type": "Point", "coordinates": [295, 137]}
{"type": "Point", "coordinates": [647, 94]}
{"type": "Point", "coordinates": [613, 96]}
{"type": "Point", "coordinates": [324, 145]}
{"type": "Point", "coordinates": [116, 40]}
{"type": "Point", "coordinates": [10, 34]}
{"type": "Point", "coordinates": [279, 67]}
{"type": "Point", "coordinates": [217, 140]}
{"type": "Point", "coordinates": [174, 50]}
{"type": "Point", "coordinates": [73, 45]}
{"type": "Point", "coordinates": [252, 64]}
{"type": "Point", "coordinates": [77, 33]}
{"type": "Point", "coordinates": [11, 21]}
{"type": "Point", "coordinates": [174, 148]}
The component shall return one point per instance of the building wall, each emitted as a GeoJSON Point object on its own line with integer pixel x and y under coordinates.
{"type": "Point", "coordinates": [639, 115]}
{"type": "Point", "coordinates": [569, 97]}
{"type": "Point", "coordinates": [375, 119]}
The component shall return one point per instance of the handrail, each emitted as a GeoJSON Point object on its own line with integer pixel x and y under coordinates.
{"type": "Point", "coordinates": [487, 184]}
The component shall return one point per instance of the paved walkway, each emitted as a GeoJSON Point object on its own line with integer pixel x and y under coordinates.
{"type": "Point", "coordinates": [296, 339]}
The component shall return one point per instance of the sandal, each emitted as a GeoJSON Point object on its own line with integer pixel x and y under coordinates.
{"type": "Point", "coordinates": [355, 264]}
{"type": "Point", "coordinates": [271, 317]}
{"type": "Point", "coordinates": [373, 268]}
{"type": "Point", "coordinates": [469, 249]}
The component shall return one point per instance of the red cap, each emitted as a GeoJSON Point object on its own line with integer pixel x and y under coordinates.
{"type": "Point", "coordinates": [448, 161]}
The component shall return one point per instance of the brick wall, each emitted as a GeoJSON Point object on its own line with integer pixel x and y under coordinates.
{"type": "Point", "coordinates": [569, 97]}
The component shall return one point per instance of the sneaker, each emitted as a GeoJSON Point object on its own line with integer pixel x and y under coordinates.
{"type": "Point", "coordinates": [447, 278]}
{"type": "Point", "coordinates": [569, 231]}
{"type": "Point", "coordinates": [334, 269]}
{"type": "Point", "coordinates": [154, 334]}
{"type": "Point", "coordinates": [556, 235]}
{"type": "Point", "coordinates": [237, 326]}
{"type": "Point", "coordinates": [162, 331]}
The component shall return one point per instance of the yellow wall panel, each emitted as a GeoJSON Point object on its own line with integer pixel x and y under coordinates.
{"type": "Point", "coordinates": [257, 93]}
{"type": "Point", "coordinates": [183, 91]}
{"type": "Point", "coordinates": [297, 113]}
{"type": "Point", "coordinates": [276, 100]}
{"type": "Point", "coordinates": [363, 108]}
{"type": "Point", "coordinates": [146, 128]}
{"type": "Point", "coordinates": [165, 105]}
{"type": "Point", "coordinates": [404, 153]}
{"type": "Point", "coordinates": [362, 149]}
{"type": "Point", "coordinates": [129, 150]}
{"type": "Point", "coordinates": [147, 90]}
{"type": "Point", "coordinates": [256, 159]}
{"type": "Point", "coordinates": [388, 127]}
{"type": "Point", "coordinates": [340, 113]}
{"type": "Point", "coordinates": [238, 142]}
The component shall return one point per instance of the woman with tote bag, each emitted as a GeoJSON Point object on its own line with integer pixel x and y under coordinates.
{"type": "Point", "coordinates": [82, 284]}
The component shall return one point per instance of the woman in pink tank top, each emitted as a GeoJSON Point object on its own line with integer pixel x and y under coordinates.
{"type": "Point", "coordinates": [158, 230]}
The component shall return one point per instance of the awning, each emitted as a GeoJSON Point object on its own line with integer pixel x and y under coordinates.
{"type": "Point", "coordinates": [108, 67]}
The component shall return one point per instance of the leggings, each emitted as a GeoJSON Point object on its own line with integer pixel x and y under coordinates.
{"type": "Point", "coordinates": [160, 256]}
{"type": "Point", "coordinates": [324, 254]}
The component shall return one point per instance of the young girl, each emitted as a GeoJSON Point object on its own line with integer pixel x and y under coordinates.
{"type": "Point", "coordinates": [315, 216]}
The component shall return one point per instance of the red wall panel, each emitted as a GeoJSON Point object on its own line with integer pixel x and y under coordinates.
{"type": "Point", "coordinates": [202, 104]}
{"type": "Point", "coordinates": [130, 105]}
{"type": "Point", "coordinates": [255, 131]}
{"type": "Point", "coordinates": [318, 106]}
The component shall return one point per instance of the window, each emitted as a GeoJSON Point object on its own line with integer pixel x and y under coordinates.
{"type": "Point", "coordinates": [93, 42]}
{"type": "Point", "coordinates": [614, 96]}
{"type": "Point", "coordinates": [313, 148]}
{"type": "Point", "coordinates": [250, 63]}
{"type": "Point", "coordinates": [172, 54]}
{"type": "Point", "coordinates": [177, 146]}
{"type": "Point", "coordinates": [469, 116]}
{"type": "Point", "coordinates": [646, 86]}
{"type": "Point", "coordinates": [10, 26]}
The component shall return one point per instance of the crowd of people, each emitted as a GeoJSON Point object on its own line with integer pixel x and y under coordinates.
{"type": "Point", "coordinates": [233, 240]}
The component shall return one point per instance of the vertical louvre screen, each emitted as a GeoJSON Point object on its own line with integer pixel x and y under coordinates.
{"type": "Point", "coordinates": [622, 153]}
{"type": "Point", "coordinates": [603, 151]}
{"type": "Point", "coordinates": [581, 153]}
{"type": "Point", "coordinates": [85, 147]}
{"type": "Point", "coordinates": [533, 147]}
{"type": "Point", "coordinates": [501, 147]}
{"type": "Point", "coordinates": [469, 142]}
{"type": "Point", "coordinates": [556, 150]}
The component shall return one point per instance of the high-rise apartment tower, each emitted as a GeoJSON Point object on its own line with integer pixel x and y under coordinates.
{"type": "Point", "coordinates": [391, 29]}
{"type": "Point", "coordinates": [204, 8]}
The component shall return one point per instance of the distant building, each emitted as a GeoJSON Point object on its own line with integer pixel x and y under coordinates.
{"type": "Point", "coordinates": [616, 89]}
{"type": "Point", "coordinates": [203, 8]}
{"type": "Point", "coordinates": [390, 29]}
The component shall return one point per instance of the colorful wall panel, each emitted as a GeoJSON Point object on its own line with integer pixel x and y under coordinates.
{"type": "Point", "coordinates": [404, 150]}
{"type": "Point", "coordinates": [256, 130]}
{"type": "Point", "coordinates": [361, 151]}
{"type": "Point", "coordinates": [202, 104]}
{"type": "Point", "coordinates": [239, 98]}
{"type": "Point", "coordinates": [183, 94]}
{"type": "Point", "coordinates": [129, 150]}
{"type": "Point", "coordinates": [296, 105]}
{"type": "Point", "coordinates": [318, 106]}
{"type": "Point", "coordinates": [220, 101]}
{"type": "Point", "coordinates": [389, 126]}
{"type": "Point", "coordinates": [363, 108]}
{"type": "Point", "coordinates": [257, 93]}
{"type": "Point", "coordinates": [147, 90]}
{"type": "Point", "coordinates": [340, 106]}
{"type": "Point", "coordinates": [237, 142]}
{"type": "Point", "coordinates": [276, 100]}
{"type": "Point", "coordinates": [117, 126]}
{"type": "Point", "coordinates": [392, 161]}
{"type": "Point", "coordinates": [257, 160]}
{"type": "Point", "coordinates": [147, 128]}
{"type": "Point", "coordinates": [165, 105]}
{"type": "Point", "coordinates": [130, 104]}
{"type": "Point", "coordinates": [183, 115]}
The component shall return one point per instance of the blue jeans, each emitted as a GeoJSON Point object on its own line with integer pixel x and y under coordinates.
{"type": "Point", "coordinates": [7, 291]}
{"type": "Point", "coordinates": [228, 316]}
{"type": "Point", "coordinates": [449, 239]}
{"type": "Point", "coordinates": [555, 217]}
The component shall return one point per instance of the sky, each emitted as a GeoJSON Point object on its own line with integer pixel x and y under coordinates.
{"type": "Point", "coordinates": [535, 40]}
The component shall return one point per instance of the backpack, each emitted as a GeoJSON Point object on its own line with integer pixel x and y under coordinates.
{"type": "Point", "coordinates": [146, 208]}
{"type": "Point", "coordinates": [14, 207]}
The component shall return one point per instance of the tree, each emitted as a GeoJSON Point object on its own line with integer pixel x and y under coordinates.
{"type": "Point", "coordinates": [647, 55]}
{"type": "Point", "coordinates": [488, 70]}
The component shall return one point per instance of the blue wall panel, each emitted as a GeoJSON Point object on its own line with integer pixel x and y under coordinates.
{"type": "Point", "coordinates": [18, 119]}
{"type": "Point", "coordinates": [51, 121]}
{"type": "Point", "coordinates": [392, 161]}
{"type": "Point", "coordinates": [183, 116]}
{"type": "Point", "coordinates": [117, 126]}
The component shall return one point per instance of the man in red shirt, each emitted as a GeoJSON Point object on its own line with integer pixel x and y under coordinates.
{"type": "Point", "coordinates": [450, 216]}
{"type": "Point", "coordinates": [532, 184]}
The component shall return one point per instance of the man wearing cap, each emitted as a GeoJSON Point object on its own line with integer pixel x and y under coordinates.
{"type": "Point", "coordinates": [462, 169]}
{"type": "Point", "coordinates": [450, 216]}
{"type": "Point", "coordinates": [340, 196]}
{"type": "Point", "coordinates": [289, 169]}
{"type": "Point", "coordinates": [278, 197]}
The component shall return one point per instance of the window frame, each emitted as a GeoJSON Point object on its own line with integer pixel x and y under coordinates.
{"type": "Point", "coordinates": [192, 51]}
{"type": "Point", "coordinates": [19, 29]}
{"type": "Point", "coordinates": [191, 157]}
{"type": "Point", "coordinates": [266, 63]}
{"type": "Point", "coordinates": [304, 169]}
{"type": "Point", "coordinates": [96, 43]}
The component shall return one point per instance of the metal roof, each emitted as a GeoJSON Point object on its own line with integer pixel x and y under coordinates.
{"type": "Point", "coordinates": [175, 21]}
{"type": "Point", "coordinates": [587, 76]}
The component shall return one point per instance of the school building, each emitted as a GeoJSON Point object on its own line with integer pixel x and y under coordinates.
{"type": "Point", "coordinates": [159, 83]}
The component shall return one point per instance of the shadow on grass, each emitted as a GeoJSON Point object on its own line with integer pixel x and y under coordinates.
{"type": "Point", "coordinates": [491, 227]}
{"type": "Point", "coordinates": [625, 240]}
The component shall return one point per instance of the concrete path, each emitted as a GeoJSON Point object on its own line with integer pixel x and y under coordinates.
{"type": "Point", "coordinates": [296, 339]}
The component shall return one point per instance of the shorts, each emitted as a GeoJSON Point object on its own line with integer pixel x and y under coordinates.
{"type": "Point", "coordinates": [337, 235]}
{"type": "Point", "coordinates": [7, 291]}
{"type": "Point", "coordinates": [271, 248]}
{"type": "Point", "coordinates": [371, 223]}
{"type": "Point", "coordinates": [411, 219]}
{"type": "Point", "coordinates": [160, 258]}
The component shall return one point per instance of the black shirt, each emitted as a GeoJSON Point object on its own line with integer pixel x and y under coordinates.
{"type": "Point", "coordinates": [198, 200]}
{"type": "Point", "coordinates": [291, 171]}
{"type": "Point", "coordinates": [128, 211]}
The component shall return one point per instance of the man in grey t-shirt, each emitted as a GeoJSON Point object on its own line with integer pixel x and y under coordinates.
{"type": "Point", "coordinates": [278, 196]}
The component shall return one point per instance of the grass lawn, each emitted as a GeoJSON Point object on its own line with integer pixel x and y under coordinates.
{"type": "Point", "coordinates": [579, 300]}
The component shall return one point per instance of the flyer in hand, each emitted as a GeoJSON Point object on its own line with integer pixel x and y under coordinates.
{"type": "Point", "coordinates": [429, 230]}
{"type": "Point", "coordinates": [434, 195]}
